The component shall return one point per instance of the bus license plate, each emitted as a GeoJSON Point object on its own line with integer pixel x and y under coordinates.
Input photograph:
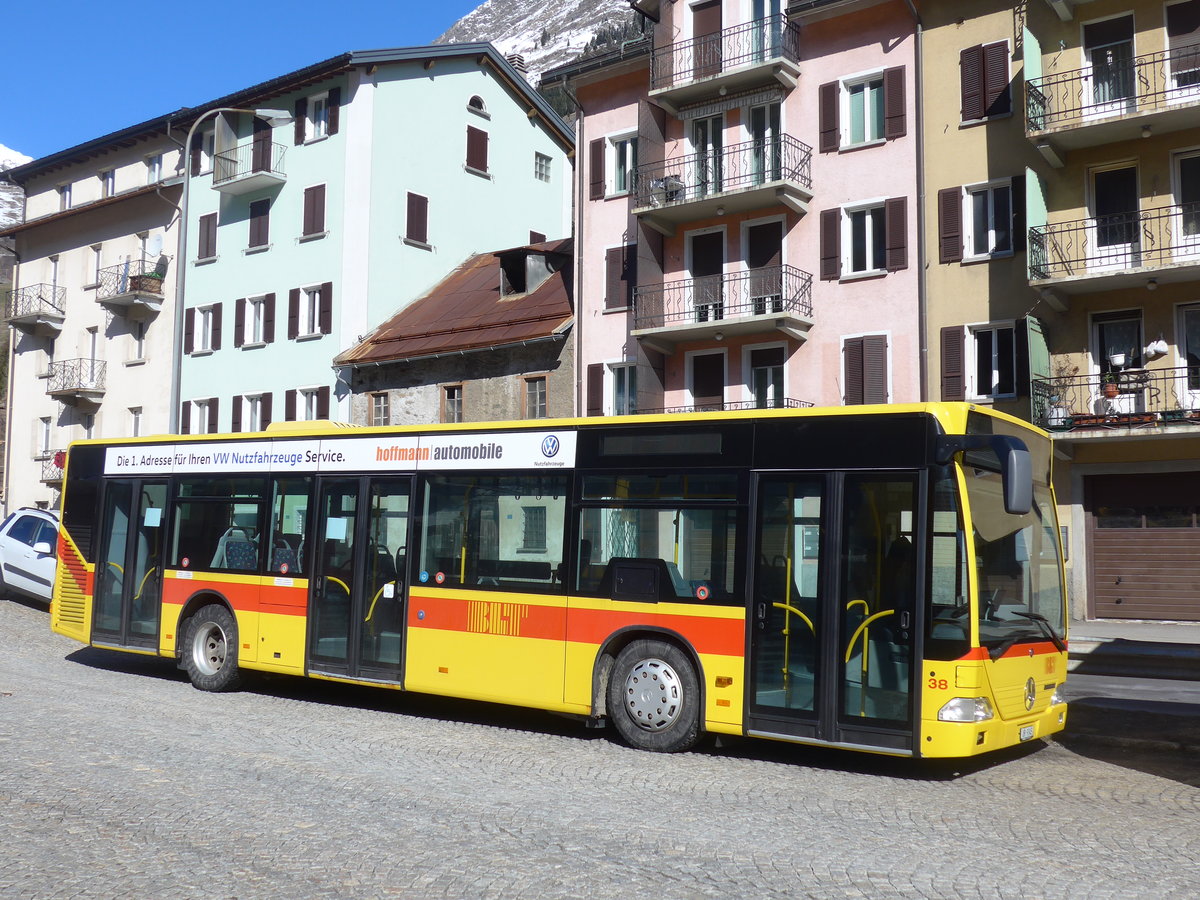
{"type": "Point", "coordinates": [1026, 732]}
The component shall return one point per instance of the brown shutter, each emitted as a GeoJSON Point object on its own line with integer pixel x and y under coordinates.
{"type": "Point", "coordinates": [260, 151]}
{"type": "Point", "coordinates": [828, 100]}
{"type": "Point", "coordinates": [950, 238]}
{"type": "Point", "coordinates": [289, 406]}
{"type": "Point", "coordinates": [875, 369]}
{"type": "Point", "coordinates": [314, 209]}
{"type": "Point", "coordinates": [895, 231]}
{"type": "Point", "coordinates": [268, 319]}
{"type": "Point", "coordinates": [301, 121]}
{"type": "Point", "coordinates": [208, 237]}
{"type": "Point", "coordinates": [327, 308]}
{"type": "Point", "coordinates": [216, 326]}
{"type": "Point", "coordinates": [831, 253]}
{"type": "Point", "coordinates": [613, 295]}
{"type": "Point", "coordinates": [852, 349]}
{"type": "Point", "coordinates": [293, 313]}
{"type": "Point", "coordinates": [264, 410]}
{"type": "Point", "coordinates": [185, 417]}
{"type": "Point", "coordinates": [197, 145]}
{"type": "Point", "coordinates": [536, 237]}
{"type": "Point", "coordinates": [477, 149]}
{"type": "Point", "coordinates": [334, 105]}
{"type": "Point", "coordinates": [323, 402]}
{"type": "Point", "coordinates": [596, 165]}
{"type": "Point", "coordinates": [239, 323]}
{"type": "Point", "coordinates": [1018, 213]}
{"type": "Point", "coordinates": [214, 417]}
{"type": "Point", "coordinates": [953, 360]}
{"type": "Point", "coordinates": [895, 116]}
{"type": "Point", "coordinates": [189, 331]}
{"type": "Point", "coordinates": [418, 219]}
{"type": "Point", "coordinates": [970, 65]}
{"type": "Point", "coordinates": [997, 96]}
{"type": "Point", "coordinates": [629, 273]}
{"type": "Point", "coordinates": [260, 211]}
{"type": "Point", "coordinates": [236, 413]}
{"type": "Point", "coordinates": [595, 389]}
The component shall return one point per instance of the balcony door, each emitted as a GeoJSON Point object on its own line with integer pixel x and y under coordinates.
{"type": "Point", "coordinates": [1117, 342]}
{"type": "Point", "coordinates": [706, 39]}
{"type": "Point", "coordinates": [708, 381]}
{"type": "Point", "coordinates": [764, 259]}
{"type": "Point", "coordinates": [1109, 87]}
{"type": "Point", "coordinates": [1183, 50]}
{"type": "Point", "coordinates": [260, 156]}
{"type": "Point", "coordinates": [707, 144]}
{"type": "Point", "coordinates": [706, 263]}
{"type": "Point", "coordinates": [765, 145]}
{"type": "Point", "coordinates": [768, 28]}
{"type": "Point", "coordinates": [1187, 201]}
{"type": "Point", "coordinates": [1114, 226]}
{"type": "Point", "coordinates": [1189, 349]}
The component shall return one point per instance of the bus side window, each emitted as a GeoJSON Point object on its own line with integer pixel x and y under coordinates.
{"type": "Point", "coordinates": [289, 514]}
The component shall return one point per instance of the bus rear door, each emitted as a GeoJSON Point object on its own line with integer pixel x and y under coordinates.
{"type": "Point", "coordinates": [128, 588]}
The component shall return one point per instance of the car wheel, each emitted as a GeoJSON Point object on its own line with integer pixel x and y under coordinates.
{"type": "Point", "coordinates": [654, 697]}
{"type": "Point", "coordinates": [210, 649]}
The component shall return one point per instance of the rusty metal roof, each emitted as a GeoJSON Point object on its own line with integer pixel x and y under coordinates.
{"type": "Point", "coordinates": [465, 312]}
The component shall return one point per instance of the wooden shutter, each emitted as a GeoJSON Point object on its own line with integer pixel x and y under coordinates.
{"type": "Point", "coordinates": [954, 382]}
{"type": "Point", "coordinates": [327, 308]}
{"type": "Point", "coordinates": [418, 219]}
{"type": "Point", "coordinates": [264, 410]}
{"type": "Point", "coordinates": [323, 402]}
{"type": "Point", "coordinates": [997, 96]}
{"type": "Point", "coordinates": [216, 326]}
{"type": "Point", "coordinates": [970, 70]}
{"type": "Point", "coordinates": [895, 233]}
{"type": "Point", "coordinates": [260, 150]}
{"type": "Point", "coordinates": [314, 209]}
{"type": "Point", "coordinates": [852, 350]}
{"type": "Point", "coordinates": [236, 413]}
{"type": "Point", "coordinates": [260, 212]}
{"type": "Point", "coordinates": [831, 253]}
{"type": "Point", "coordinates": [536, 237]}
{"type": "Point", "coordinates": [301, 121]}
{"type": "Point", "coordinates": [595, 389]}
{"type": "Point", "coordinates": [828, 101]}
{"type": "Point", "coordinates": [239, 323]}
{"type": "Point", "coordinates": [895, 115]}
{"type": "Point", "coordinates": [293, 314]}
{"type": "Point", "coordinates": [614, 295]}
{"type": "Point", "coordinates": [208, 237]}
{"type": "Point", "coordinates": [477, 149]}
{"type": "Point", "coordinates": [950, 237]}
{"type": "Point", "coordinates": [875, 368]}
{"type": "Point", "coordinates": [185, 417]}
{"type": "Point", "coordinates": [268, 334]}
{"type": "Point", "coordinates": [596, 169]}
{"type": "Point", "coordinates": [334, 106]}
{"type": "Point", "coordinates": [1018, 213]}
{"type": "Point", "coordinates": [196, 152]}
{"type": "Point", "coordinates": [189, 331]}
{"type": "Point", "coordinates": [289, 406]}
{"type": "Point", "coordinates": [214, 417]}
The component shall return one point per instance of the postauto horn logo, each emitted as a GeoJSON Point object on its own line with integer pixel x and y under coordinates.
{"type": "Point", "coordinates": [550, 446]}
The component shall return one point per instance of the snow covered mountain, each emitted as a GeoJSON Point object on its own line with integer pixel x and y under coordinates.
{"type": "Point", "coordinates": [546, 33]}
{"type": "Point", "coordinates": [10, 194]}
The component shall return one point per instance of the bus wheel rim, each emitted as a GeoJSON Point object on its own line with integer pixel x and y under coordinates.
{"type": "Point", "coordinates": [208, 648]}
{"type": "Point", "coordinates": [653, 695]}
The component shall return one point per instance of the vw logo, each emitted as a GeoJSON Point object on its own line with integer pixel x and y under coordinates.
{"type": "Point", "coordinates": [550, 446]}
{"type": "Point", "coordinates": [1030, 693]}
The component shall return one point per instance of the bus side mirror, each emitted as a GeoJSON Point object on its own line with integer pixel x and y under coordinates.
{"type": "Point", "coordinates": [1016, 465]}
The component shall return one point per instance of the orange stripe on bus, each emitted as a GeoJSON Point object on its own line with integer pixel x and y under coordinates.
{"type": "Point", "coordinates": [1039, 649]}
{"type": "Point", "coordinates": [244, 596]}
{"type": "Point", "coordinates": [719, 636]}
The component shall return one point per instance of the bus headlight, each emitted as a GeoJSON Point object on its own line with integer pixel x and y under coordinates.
{"type": "Point", "coordinates": [1057, 697]}
{"type": "Point", "coordinates": [966, 709]}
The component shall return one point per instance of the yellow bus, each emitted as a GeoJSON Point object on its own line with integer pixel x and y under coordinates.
{"type": "Point", "coordinates": [885, 578]}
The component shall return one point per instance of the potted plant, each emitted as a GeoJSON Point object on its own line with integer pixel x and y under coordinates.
{"type": "Point", "coordinates": [1109, 386]}
{"type": "Point", "coordinates": [1061, 387]}
{"type": "Point", "coordinates": [148, 283]}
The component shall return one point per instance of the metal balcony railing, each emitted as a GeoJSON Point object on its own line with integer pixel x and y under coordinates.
{"type": "Point", "coordinates": [735, 168]}
{"type": "Point", "coordinates": [1139, 84]}
{"type": "Point", "coordinates": [727, 406]}
{"type": "Point", "coordinates": [713, 298]}
{"type": "Point", "coordinates": [1165, 236]}
{"type": "Point", "coordinates": [76, 375]}
{"type": "Point", "coordinates": [754, 42]}
{"type": "Point", "coordinates": [247, 159]}
{"type": "Point", "coordinates": [1129, 398]}
{"type": "Point", "coordinates": [134, 276]}
{"type": "Point", "coordinates": [35, 300]}
{"type": "Point", "coordinates": [52, 465]}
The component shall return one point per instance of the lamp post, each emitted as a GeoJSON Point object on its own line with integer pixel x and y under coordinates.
{"type": "Point", "coordinates": [274, 117]}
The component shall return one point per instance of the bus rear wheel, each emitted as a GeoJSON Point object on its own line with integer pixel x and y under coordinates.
{"type": "Point", "coordinates": [210, 649]}
{"type": "Point", "coordinates": [654, 697]}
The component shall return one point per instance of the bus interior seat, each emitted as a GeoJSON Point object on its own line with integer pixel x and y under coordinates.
{"type": "Point", "coordinates": [233, 533]}
{"type": "Point", "coordinates": [241, 555]}
{"type": "Point", "coordinates": [283, 555]}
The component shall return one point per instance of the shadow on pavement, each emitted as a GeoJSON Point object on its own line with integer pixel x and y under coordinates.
{"type": "Point", "coordinates": [1156, 737]}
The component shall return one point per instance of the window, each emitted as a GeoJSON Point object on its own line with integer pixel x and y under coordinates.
{"type": "Point", "coordinates": [477, 150]}
{"type": "Point", "coordinates": [137, 334]}
{"type": "Point", "coordinates": [314, 211]}
{"type": "Point", "coordinates": [1183, 36]}
{"type": "Point", "coordinates": [318, 117]}
{"type": "Point", "coordinates": [981, 221]}
{"type": "Point", "coordinates": [624, 164]}
{"type": "Point", "coordinates": [260, 218]}
{"type": "Point", "coordinates": [983, 74]}
{"type": "Point", "coordinates": [64, 196]}
{"type": "Point", "coordinates": [541, 166]}
{"type": "Point", "coordinates": [45, 432]}
{"type": "Point", "coordinates": [310, 311]}
{"type": "Point", "coordinates": [310, 321]}
{"type": "Point", "coordinates": [207, 237]}
{"type": "Point", "coordinates": [988, 215]}
{"type": "Point", "coordinates": [154, 168]}
{"type": "Point", "coordinates": [314, 403]}
{"type": "Point", "coordinates": [417, 228]}
{"type": "Point", "coordinates": [89, 425]}
{"type": "Point", "coordinates": [94, 274]}
{"type": "Point", "coordinates": [476, 105]}
{"type": "Point", "coordinates": [108, 182]}
{"type": "Point", "coordinates": [869, 238]}
{"type": "Point", "coordinates": [866, 369]}
{"type": "Point", "coordinates": [533, 535]}
{"type": "Point", "coordinates": [535, 397]}
{"type": "Point", "coordinates": [620, 267]}
{"type": "Point", "coordinates": [251, 412]}
{"type": "Point", "coordinates": [994, 366]}
{"type": "Point", "coordinates": [862, 238]}
{"type": "Point", "coordinates": [216, 524]}
{"type": "Point", "coordinates": [202, 152]}
{"type": "Point", "coordinates": [766, 377]}
{"type": "Point", "coordinates": [254, 321]}
{"type": "Point", "coordinates": [135, 421]}
{"type": "Point", "coordinates": [862, 109]}
{"type": "Point", "coordinates": [452, 403]}
{"type": "Point", "coordinates": [202, 329]}
{"type": "Point", "coordinates": [381, 413]}
{"type": "Point", "coordinates": [624, 389]}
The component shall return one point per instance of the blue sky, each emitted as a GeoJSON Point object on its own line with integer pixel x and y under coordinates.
{"type": "Point", "coordinates": [79, 69]}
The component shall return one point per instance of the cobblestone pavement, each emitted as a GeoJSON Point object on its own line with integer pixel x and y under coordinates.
{"type": "Point", "coordinates": [118, 779]}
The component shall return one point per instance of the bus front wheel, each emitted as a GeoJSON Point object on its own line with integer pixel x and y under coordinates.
{"type": "Point", "coordinates": [654, 697]}
{"type": "Point", "coordinates": [210, 653]}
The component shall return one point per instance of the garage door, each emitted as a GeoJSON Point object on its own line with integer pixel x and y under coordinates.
{"type": "Point", "coordinates": [1144, 546]}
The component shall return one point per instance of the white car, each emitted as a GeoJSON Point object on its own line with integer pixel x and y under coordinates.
{"type": "Point", "coordinates": [29, 553]}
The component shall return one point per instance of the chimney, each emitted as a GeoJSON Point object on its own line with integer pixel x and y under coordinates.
{"type": "Point", "coordinates": [517, 61]}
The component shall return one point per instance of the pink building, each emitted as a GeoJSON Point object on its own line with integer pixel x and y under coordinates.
{"type": "Point", "coordinates": [746, 209]}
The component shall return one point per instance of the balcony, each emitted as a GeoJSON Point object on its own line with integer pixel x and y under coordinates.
{"type": "Point", "coordinates": [1100, 105]}
{"type": "Point", "coordinates": [754, 54]}
{"type": "Point", "coordinates": [1116, 404]}
{"type": "Point", "coordinates": [36, 309]}
{"type": "Point", "coordinates": [729, 406]}
{"type": "Point", "coordinates": [248, 167]}
{"type": "Point", "coordinates": [747, 176]}
{"type": "Point", "coordinates": [715, 307]}
{"type": "Point", "coordinates": [134, 287]}
{"type": "Point", "coordinates": [52, 466]}
{"type": "Point", "coordinates": [1118, 251]}
{"type": "Point", "coordinates": [76, 381]}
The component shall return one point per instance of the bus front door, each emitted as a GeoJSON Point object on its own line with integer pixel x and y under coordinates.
{"type": "Point", "coordinates": [128, 591]}
{"type": "Point", "coordinates": [358, 588]}
{"type": "Point", "coordinates": [833, 614]}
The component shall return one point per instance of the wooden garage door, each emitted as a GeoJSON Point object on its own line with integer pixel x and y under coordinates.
{"type": "Point", "coordinates": [1144, 546]}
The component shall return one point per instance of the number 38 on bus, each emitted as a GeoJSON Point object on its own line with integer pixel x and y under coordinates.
{"type": "Point", "coordinates": [885, 579]}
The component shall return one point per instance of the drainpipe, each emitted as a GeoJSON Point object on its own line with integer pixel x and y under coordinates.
{"type": "Point", "coordinates": [580, 145]}
{"type": "Point", "coordinates": [922, 279]}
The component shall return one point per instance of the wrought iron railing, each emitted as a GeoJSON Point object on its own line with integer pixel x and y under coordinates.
{"type": "Point", "coordinates": [142, 276]}
{"type": "Point", "coordinates": [52, 465]}
{"type": "Point", "coordinates": [731, 405]}
{"type": "Point", "coordinates": [1165, 236]}
{"type": "Point", "coordinates": [772, 37]}
{"type": "Point", "coordinates": [246, 159]}
{"type": "Point", "coordinates": [714, 298]}
{"type": "Point", "coordinates": [735, 168]}
{"type": "Point", "coordinates": [1138, 84]}
{"type": "Point", "coordinates": [1133, 397]}
{"type": "Point", "coordinates": [35, 300]}
{"type": "Point", "coordinates": [76, 375]}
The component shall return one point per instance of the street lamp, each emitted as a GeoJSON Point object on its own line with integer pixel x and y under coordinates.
{"type": "Point", "coordinates": [273, 118]}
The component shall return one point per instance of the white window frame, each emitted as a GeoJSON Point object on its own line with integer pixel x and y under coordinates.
{"type": "Point", "coordinates": [88, 421]}
{"type": "Point", "coordinates": [316, 124]}
{"type": "Point", "coordinates": [135, 421]}
{"type": "Point", "coordinates": [252, 412]}
{"type": "Point", "coordinates": [529, 381]}
{"type": "Point", "coordinates": [108, 183]}
{"type": "Point", "coordinates": [381, 409]}
{"type": "Point", "coordinates": [846, 84]}
{"type": "Point", "coordinates": [748, 369]}
{"type": "Point", "coordinates": [970, 192]}
{"type": "Point", "coordinates": [975, 391]}
{"type": "Point", "coordinates": [208, 150]}
{"type": "Point", "coordinates": [541, 166]}
{"type": "Point", "coordinates": [625, 402]}
{"type": "Point", "coordinates": [199, 417]}
{"type": "Point", "coordinates": [94, 279]}
{"type": "Point", "coordinates": [460, 401]}
{"type": "Point", "coordinates": [45, 437]}
{"type": "Point", "coordinates": [310, 312]}
{"type": "Point", "coordinates": [306, 403]}
{"type": "Point", "coordinates": [255, 311]}
{"type": "Point", "coordinates": [154, 164]}
{"type": "Point", "coordinates": [203, 334]}
{"type": "Point", "coordinates": [620, 147]}
{"type": "Point", "coordinates": [137, 333]}
{"type": "Point", "coordinates": [64, 196]}
{"type": "Point", "coordinates": [847, 239]}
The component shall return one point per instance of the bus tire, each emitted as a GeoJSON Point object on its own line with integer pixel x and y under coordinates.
{"type": "Point", "coordinates": [654, 697]}
{"type": "Point", "coordinates": [210, 654]}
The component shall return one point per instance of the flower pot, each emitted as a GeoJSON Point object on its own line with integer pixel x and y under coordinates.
{"type": "Point", "coordinates": [145, 284]}
{"type": "Point", "coordinates": [1111, 390]}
